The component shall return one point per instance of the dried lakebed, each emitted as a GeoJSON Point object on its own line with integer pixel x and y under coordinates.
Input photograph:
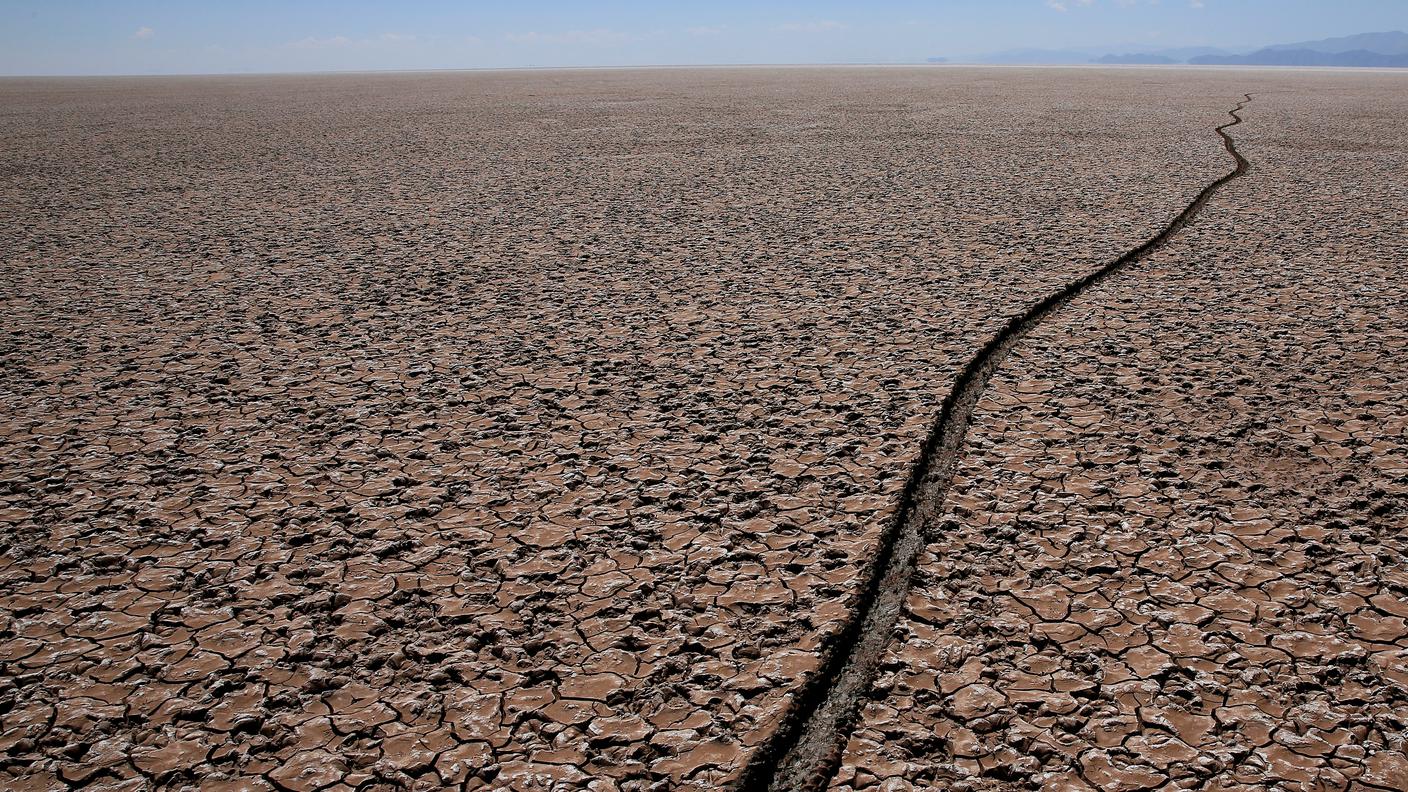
{"type": "Point", "coordinates": [805, 752]}
{"type": "Point", "coordinates": [505, 430]}
{"type": "Point", "coordinates": [1174, 553]}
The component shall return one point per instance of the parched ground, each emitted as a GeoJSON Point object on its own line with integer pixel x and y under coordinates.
{"type": "Point", "coordinates": [522, 430]}
{"type": "Point", "coordinates": [498, 430]}
{"type": "Point", "coordinates": [1177, 552]}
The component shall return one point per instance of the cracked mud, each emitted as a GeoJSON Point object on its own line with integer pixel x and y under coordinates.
{"type": "Point", "coordinates": [804, 752]}
{"type": "Point", "coordinates": [495, 430]}
{"type": "Point", "coordinates": [1174, 554]}
{"type": "Point", "coordinates": [537, 431]}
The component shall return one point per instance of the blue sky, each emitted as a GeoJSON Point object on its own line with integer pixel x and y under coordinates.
{"type": "Point", "coordinates": [200, 36]}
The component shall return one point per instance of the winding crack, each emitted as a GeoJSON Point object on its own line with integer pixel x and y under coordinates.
{"type": "Point", "coordinates": [805, 751]}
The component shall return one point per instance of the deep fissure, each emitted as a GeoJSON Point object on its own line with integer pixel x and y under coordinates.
{"type": "Point", "coordinates": [805, 751]}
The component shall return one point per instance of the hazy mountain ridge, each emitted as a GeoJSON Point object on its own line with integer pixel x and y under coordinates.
{"type": "Point", "coordinates": [1394, 42]}
{"type": "Point", "coordinates": [1388, 49]}
{"type": "Point", "coordinates": [1304, 57]}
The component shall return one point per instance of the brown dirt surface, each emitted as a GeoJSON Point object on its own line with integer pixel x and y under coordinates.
{"type": "Point", "coordinates": [497, 429]}
{"type": "Point", "coordinates": [510, 430]}
{"type": "Point", "coordinates": [1176, 552]}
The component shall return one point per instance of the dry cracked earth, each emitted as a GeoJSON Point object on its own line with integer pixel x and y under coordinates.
{"type": "Point", "coordinates": [1176, 556]}
{"type": "Point", "coordinates": [534, 430]}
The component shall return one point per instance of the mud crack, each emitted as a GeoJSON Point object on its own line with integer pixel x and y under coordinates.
{"type": "Point", "coordinates": [805, 751]}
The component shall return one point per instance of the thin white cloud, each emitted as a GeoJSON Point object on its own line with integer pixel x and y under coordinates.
{"type": "Point", "coordinates": [818, 26]}
{"type": "Point", "coordinates": [594, 37]}
{"type": "Point", "coordinates": [381, 41]}
{"type": "Point", "coordinates": [1196, 3]}
{"type": "Point", "coordinates": [144, 32]}
{"type": "Point", "coordinates": [317, 43]}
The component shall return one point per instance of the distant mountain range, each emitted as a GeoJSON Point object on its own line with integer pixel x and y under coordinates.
{"type": "Point", "coordinates": [1394, 42]}
{"type": "Point", "coordinates": [1365, 49]}
{"type": "Point", "coordinates": [1304, 57]}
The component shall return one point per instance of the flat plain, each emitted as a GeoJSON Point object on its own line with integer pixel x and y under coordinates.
{"type": "Point", "coordinates": [541, 430]}
{"type": "Point", "coordinates": [1177, 553]}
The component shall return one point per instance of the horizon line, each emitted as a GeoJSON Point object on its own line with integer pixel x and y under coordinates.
{"type": "Point", "coordinates": [655, 66]}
